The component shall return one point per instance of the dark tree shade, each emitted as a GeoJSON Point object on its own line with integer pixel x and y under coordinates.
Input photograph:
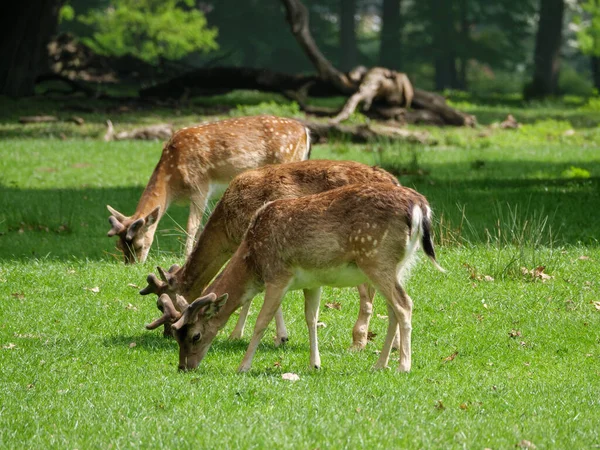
{"type": "Point", "coordinates": [349, 55]}
{"type": "Point", "coordinates": [595, 64]}
{"type": "Point", "coordinates": [547, 50]}
{"type": "Point", "coordinates": [24, 35]}
{"type": "Point", "coordinates": [390, 49]}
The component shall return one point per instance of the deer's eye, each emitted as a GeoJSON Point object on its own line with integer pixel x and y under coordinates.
{"type": "Point", "coordinates": [196, 337]}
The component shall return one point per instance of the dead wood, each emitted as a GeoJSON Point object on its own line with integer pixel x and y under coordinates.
{"type": "Point", "coordinates": [365, 133]}
{"type": "Point", "coordinates": [158, 132]}
{"type": "Point", "coordinates": [385, 85]}
{"type": "Point", "coordinates": [37, 119]}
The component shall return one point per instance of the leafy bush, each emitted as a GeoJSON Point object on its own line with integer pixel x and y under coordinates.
{"type": "Point", "coordinates": [277, 109]}
{"type": "Point", "coordinates": [149, 29]}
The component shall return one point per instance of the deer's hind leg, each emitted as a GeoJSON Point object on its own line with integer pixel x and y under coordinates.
{"type": "Point", "coordinates": [399, 315]}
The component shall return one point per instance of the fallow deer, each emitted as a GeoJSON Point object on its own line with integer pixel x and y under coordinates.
{"type": "Point", "coordinates": [196, 164]}
{"type": "Point", "coordinates": [343, 237]}
{"type": "Point", "coordinates": [225, 229]}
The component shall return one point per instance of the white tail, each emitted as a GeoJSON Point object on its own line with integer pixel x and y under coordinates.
{"type": "Point", "coordinates": [226, 226]}
{"type": "Point", "coordinates": [343, 237]}
{"type": "Point", "coordinates": [196, 164]}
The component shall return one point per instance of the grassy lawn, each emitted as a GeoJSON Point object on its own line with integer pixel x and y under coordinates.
{"type": "Point", "coordinates": [500, 357]}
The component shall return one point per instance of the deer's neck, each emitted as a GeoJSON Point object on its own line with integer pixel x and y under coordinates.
{"type": "Point", "coordinates": [156, 193]}
{"type": "Point", "coordinates": [239, 281]}
{"type": "Point", "coordinates": [212, 250]}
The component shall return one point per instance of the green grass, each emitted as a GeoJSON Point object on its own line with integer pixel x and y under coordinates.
{"type": "Point", "coordinates": [526, 362]}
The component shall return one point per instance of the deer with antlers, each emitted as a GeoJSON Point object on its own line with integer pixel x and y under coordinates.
{"type": "Point", "coordinates": [225, 229]}
{"type": "Point", "coordinates": [196, 164]}
{"type": "Point", "coordinates": [354, 234]}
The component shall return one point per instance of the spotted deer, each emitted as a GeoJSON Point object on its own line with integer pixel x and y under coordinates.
{"type": "Point", "coordinates": [225, 229]}
{"type": "Point", "coordinates": [196, 164]}
{"type": "Point", "coordinates": [354, 234]}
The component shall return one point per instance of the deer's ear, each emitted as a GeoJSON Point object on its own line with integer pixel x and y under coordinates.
{"type": "Point", "coordinates": [214, 306]}
{"type": "Point", "coordinates": [133, 229]}
{"type": "Point", "coordinates": [153, 216]}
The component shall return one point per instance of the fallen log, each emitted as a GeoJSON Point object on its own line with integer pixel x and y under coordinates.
{"type": "Point", "coordinates": [220, 80]}
{"type": "Point", "coordinates": [361, 134]}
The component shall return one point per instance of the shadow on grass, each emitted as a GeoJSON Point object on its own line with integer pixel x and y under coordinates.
{"type": "Point", "coordinates": [72, 223]}
{"type": "Point", "coordinates": [149, 341]}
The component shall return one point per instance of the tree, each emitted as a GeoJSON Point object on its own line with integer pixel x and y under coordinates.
{"type": "Point", "coordinates": [547, 50]}
{"type": "Point", "coordinates": [390, 48]}
{"type": "Point", "coordinates": [24, 34]}
{"type": "Point", "coordinates": [588, 36]}
{"type": "Point", "coordinates": [349, 56]}
{"type": "Point", "coordinates": [150, 29]}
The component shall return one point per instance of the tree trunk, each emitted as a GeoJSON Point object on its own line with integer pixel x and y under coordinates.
{"type": "Point", "coordinates": [348, 45]}
{"type": "Point", "coordinates": [24, 34]}
{"type": "Point", "coordinates": [595, 63]}
{"type": "Point", "coordinates": [464, 42]}
{"type": "Point", "coordinates": [444, 41]}
{"type": "Point", "coordinates": [547, 50]}
{"type": "Point", "coordinates": [297, 17]}
{"type": "Point", "coordinates": [390, 47]}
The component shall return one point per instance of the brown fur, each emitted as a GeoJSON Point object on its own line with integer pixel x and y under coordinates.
{"type": "Point", "coordinates": [195, 161]}
{"type": "Point", "coordinates": [340, 237]}
{"type": "Point", "coordinates": [246, 194]}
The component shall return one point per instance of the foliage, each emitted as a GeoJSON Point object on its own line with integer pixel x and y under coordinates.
{"type": "Point", "coordinates": [150, 29]}
{"type": "Point", "coordinates": [588, 33]}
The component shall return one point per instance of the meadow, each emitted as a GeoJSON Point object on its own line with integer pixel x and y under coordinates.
{"type": "Point", "coordinates": [506, 344]}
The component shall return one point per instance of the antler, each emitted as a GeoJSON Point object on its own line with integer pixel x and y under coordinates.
{"type": "Point", "coordinates": [117, 227]}
{"type": "Point", "coordinates": [170, 313]}
{"type": "Point", "coordinates": [155, 286]}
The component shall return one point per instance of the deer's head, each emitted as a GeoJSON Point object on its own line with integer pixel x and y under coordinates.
{"type": "Point", "coordinates": [191, 327]}
{"type": "Point", "coordinates": [135, 236]}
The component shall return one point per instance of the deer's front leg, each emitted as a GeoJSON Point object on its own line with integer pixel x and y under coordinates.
{"type": "Point", "coordinates": [238, 331]}
{"type": "Point", "coordinates": [273, 297]}
{"type": "Point", "coordinates": [312, 298]}
{"type": "Point", "coordinates": [197, 206]}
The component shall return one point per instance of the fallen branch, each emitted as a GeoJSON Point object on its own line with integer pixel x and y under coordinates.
{"type": "Point", "coordinates": [365, 133]}
{"type": "Point", "coordinates": [158, 132]}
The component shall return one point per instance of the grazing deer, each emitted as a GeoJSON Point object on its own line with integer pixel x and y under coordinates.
{"type": "Point", "coordinates": [196, 164]}
{"type": "Point", "coordinates": [225, 229]}
{"type": "Point", "coordinates": [343, 237]}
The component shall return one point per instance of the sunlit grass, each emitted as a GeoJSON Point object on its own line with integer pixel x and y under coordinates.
{"type": "Point", "coordinates": [500, 356]}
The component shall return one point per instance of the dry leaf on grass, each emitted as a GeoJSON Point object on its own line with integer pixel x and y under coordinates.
{"type": "Point", "coordinates": [537, 273]}
{"type": "Point", "coordinates": [514, 333]}
{"type": "Point", "coordinates": [277, 364]}
{"type": "Point", "coordinates": [334, 305]}
{"type": "Point", "coordinates": [290, 376]}
{"type": "Point", "coordinates": [10, 346]}
{"type": "Point", "coordinates": [371, 335]}
{"type": "Point", "coordinates": [18, 295]}
{"type": "Point", "coordinates": [321, 325]}
{"type": "Point", "coordinates": [133, 344]}
{"type": "Point", "coordinates": [94, 289]}
{"type": "Point", "coordinates": [525, 444]}
{"type": "Point", "coordinates": [439, 405]}
{"type": "Point", "coordinates": [464, 406]}
{"type": "Point", "coordinates": [451, 357]}
{"type": "Point", "coordinates": [131, 307]}
{"type": "Point", "coordinates": [135, 286]}
{"type": "Point", "coordinates": [597, 305]}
